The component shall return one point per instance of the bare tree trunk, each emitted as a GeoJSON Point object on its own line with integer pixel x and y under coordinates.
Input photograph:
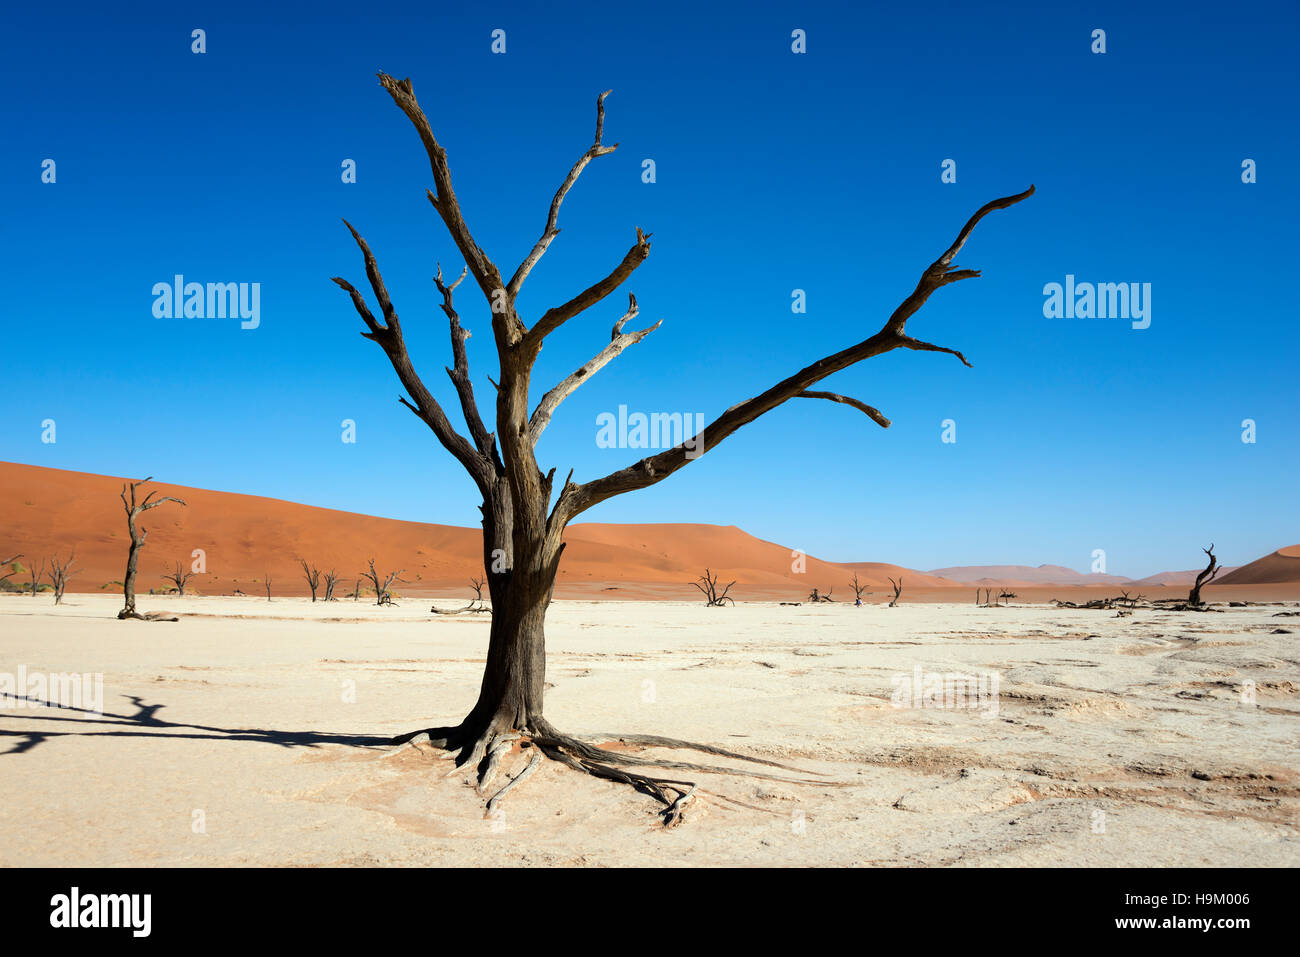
{"type": "Point", "coordinates": [1207, 575]}
{"type": "Point", "coordinates": [138, 536]}
{"type": "Point", "coordinates": [37, 574]}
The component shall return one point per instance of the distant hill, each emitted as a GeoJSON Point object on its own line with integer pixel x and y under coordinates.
{"type": "Point", "coordinates": [246, 537]}
{"type": "Point", "coordinates": [1283, 566]}
{"type": "Point", "coordinates": [1024, 575]}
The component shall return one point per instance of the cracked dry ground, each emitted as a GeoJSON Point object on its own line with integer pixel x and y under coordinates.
{"type": "Point", "coordinates": [1127, 741]}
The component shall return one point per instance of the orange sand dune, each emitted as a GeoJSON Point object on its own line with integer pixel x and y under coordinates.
{"type": "Point", "coordinates": [245, 538]}
{"type": "Point", "coordinates": [1282, 567]}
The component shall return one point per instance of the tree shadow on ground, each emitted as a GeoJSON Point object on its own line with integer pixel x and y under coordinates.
{"type": "Point", "coordinates": [144, 722]}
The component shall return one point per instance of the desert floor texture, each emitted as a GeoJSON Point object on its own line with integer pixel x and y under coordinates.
{"type": "Point", "coordinates": [250, 733]}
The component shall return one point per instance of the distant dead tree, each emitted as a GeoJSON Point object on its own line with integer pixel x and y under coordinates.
{"type": "Point", "coordinates": [60, 574]}
{"type": "Point", "coordinates": [1207, 575]}
{"type": "Point", "coordinates": [36, 574]}
{"type": "Point", "coordinates": [859, 588]}
{"type": "Point", "coordinates": [331, 579]}
{"type": "Point", "coordinates": [356, 591]}
{"type": "Point", "coordinates": [708, 585]}
{"type": "Point", "coordinates": [178, 577]}
{"type": "Point", "coordinates": [1006, 596]}
{"type": "Point", "coordinates": [382, 584]}
{"type": "Point", "coordinates": [312, 574]}
{"type": "Point", "coordinates": [898, 590]}
{"type": "Point", "coordinates": [476, 604]}
{"type": "Point", "coordinates": [524, 513]}
{"type": "Point", "coordinates": [267, 583]}
{"type": "Point", "coordinates": [10, 563]}
{"type": "Point", "coordinates": [138, 535]}
{"type": "Point", "coordinates": [814, 596]}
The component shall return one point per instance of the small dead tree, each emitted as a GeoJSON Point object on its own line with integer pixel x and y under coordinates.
{"type": "Point", "coordinates": [1207, 575]}
{"type": "Point", "coordinates": [815, 596]}
{"type": "Point", "coordinates": [382, 584]}
{"type": "Point", "coordinates": [356, 591]}
{"type": "Point", "coordinates": [859, 589]}
{"type": "Point", "coordinates": [708, 585]}
{"type": "Point", "coordinates": [898, 590]}
{"type": "Point", "coordinates": [331, 579]}
{"type": "Point", "coordinates": [476, 604]}
{"type": "Point", "coordinates": [178, 577]}
{"type": "Point", "coordinates": [60, 575]}
{"type": "Point", "coordinates": [312, 574]}
{"type": "Point", "coordinates": [138, 535]}
{"type": "Point", "coordinates": [267, 582]}
{"type": "Point", "coordinates": [10, 563]}
{"type": "Point", "coordinates": [36, 574]}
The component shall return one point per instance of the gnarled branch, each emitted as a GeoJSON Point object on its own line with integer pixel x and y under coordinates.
{"type": "Point", "coordinates": [552, 230]}
{"type": "Point", "coordinates": [555, 317]}
{"type": "Point", "coordinates": [656, 468]}
{"type": "Point", "coordinates": [620, 340]}
{"type": "Point", "coordinates": [870, 410]}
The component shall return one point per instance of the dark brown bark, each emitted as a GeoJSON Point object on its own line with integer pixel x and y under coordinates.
{"type": "Point", "coordinates": [312, 574]}
{"type": "Point", "coordinates": [1207, 575]}
{"type": "Point", "coordinates": [898, 591]}
{"type": "Point", "coordinates": [522, 542]}
{"type": "Point", "coordinates": [708, 584]}
{"type": "Point", "coordinates": [138, 535]}
{"type": "Point", "coordinates": [60, 575]}
{"type": "Point", "coordinates": [36, 574]}
{"type": "Point", "coordinates": [178, 576]}
{"type": "Point", "coordinates": [331, 581]}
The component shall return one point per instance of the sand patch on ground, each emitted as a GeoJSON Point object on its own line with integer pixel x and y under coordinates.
{"type": "Point", "coordinates": [1116, 741]}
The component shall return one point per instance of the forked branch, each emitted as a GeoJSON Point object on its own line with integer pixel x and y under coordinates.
{"type": "Point", "coordinates": [655, 468]}
{"type": "Point", "coordinates": [552, 229]}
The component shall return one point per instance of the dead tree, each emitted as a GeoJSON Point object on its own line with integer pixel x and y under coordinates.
{"type": "Point", "coordinates": [381, 584]}
{"type": "Point", "coordinates": [1006, 596]}
{"type": "Point", "coordinates": [859, 589]}
{"type": "Point", "coordinates": [11, 563]}
{"type": "Point", "coordinates": [331, 579]}
{"type": "Point", "coordinates": [267, 582]}
{"type": "Point", "coordinates": [1207, 575]}
{"type": "Point", "coordinates": [312, 574]}
{"type": "Point", "coordinates": [138, 535]}
{"type": "Point", "coordinates": [898, 590]}
{"type": "Point", "coordinates": [36, 574]}
{"type": "Point", "coordinates": [475, 605]}
{"type": "Point", "coordinates": [178, 577]}
{"type": "Point", "coordinates": [708, 585]}
{"type": "Point", "coordinates": [814, 596]}
{"type": "Point", "coordinates": [60, 575]}
{"type": "Point", "coordinates": [524, 516]}
{"type": "Point", "coordinates": [356, 591]}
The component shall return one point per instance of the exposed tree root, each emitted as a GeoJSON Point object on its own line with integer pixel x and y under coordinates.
{"type": "Point", "coordinates": [147, 616]}
{"type": "Point", "coordinates": [484, 750]}
{"type": "Point", "coordinates": [533, 762]}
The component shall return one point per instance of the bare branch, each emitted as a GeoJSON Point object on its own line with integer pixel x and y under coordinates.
{"type": "Point", "coordinates": [444, 200]}
{"type": "Point", "coordinates": [459, 372]}
{"type": "Point", "coordinates": [620, 341]}
{"type": "Point", "coordinates": [552, 230]}
{"type": "Point", "coordinates": [553, 318]}
{"type": "Point", "coordinates": [390, 339]}
{"type": "Point", "coordinates": [870, 410]}
{"type": "Point", "coordinates": [656, 468]}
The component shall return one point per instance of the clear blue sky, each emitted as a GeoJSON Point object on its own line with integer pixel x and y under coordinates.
{"type": "Point", "coordinates": [775, 171]}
